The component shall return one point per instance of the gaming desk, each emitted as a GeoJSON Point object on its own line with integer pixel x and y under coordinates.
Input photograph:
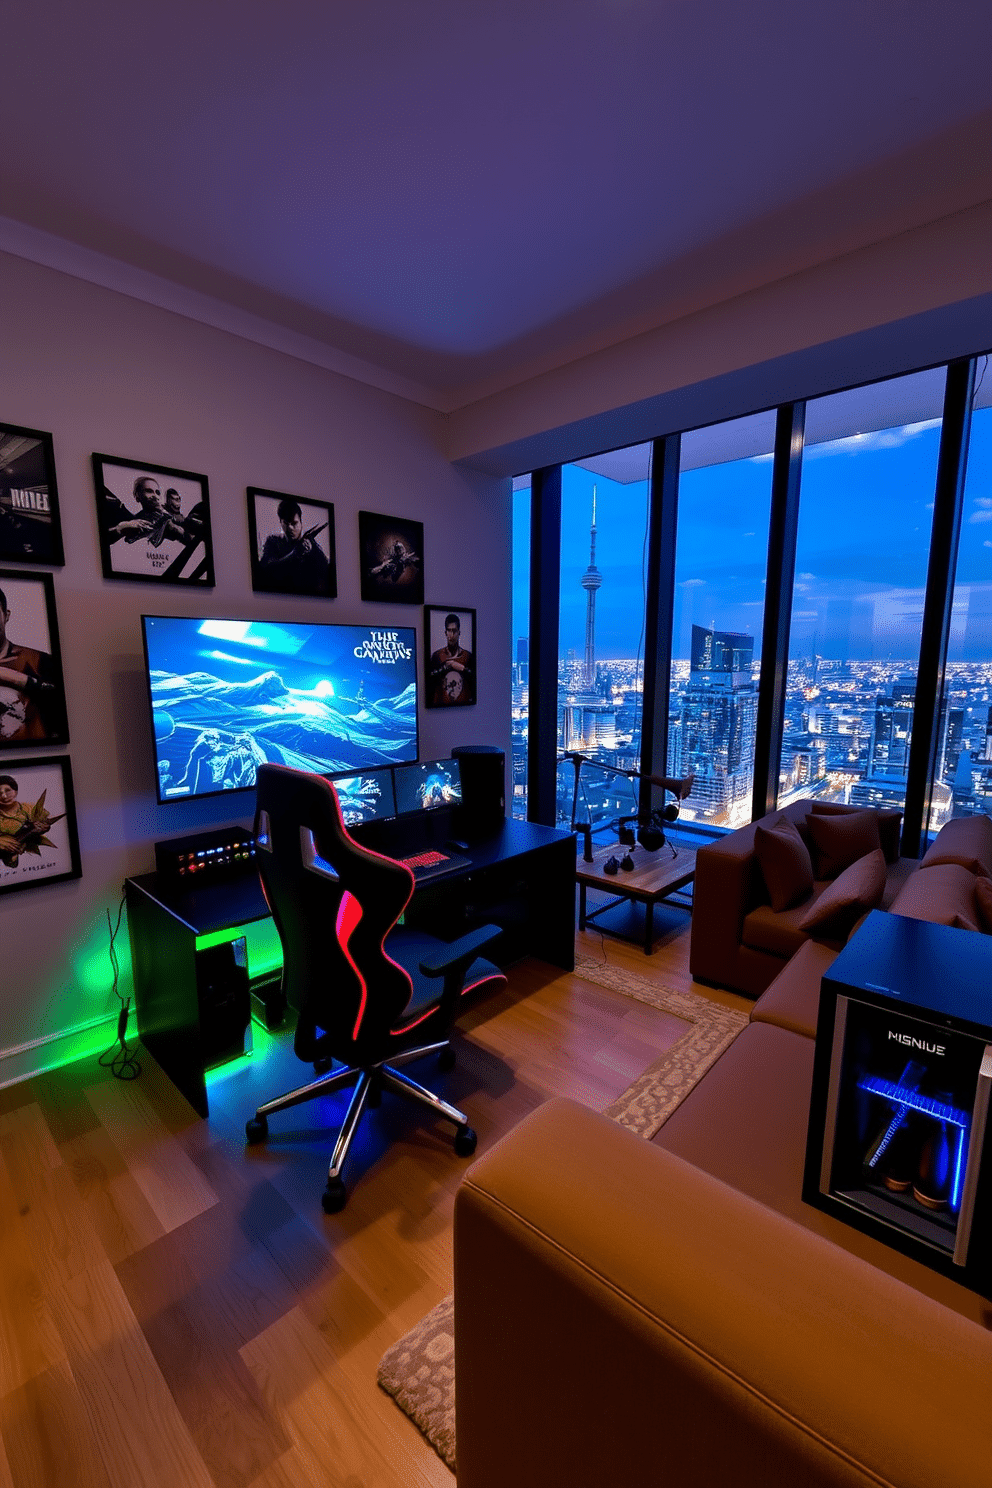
{"type": "Point", "coordinates": [523, 878]}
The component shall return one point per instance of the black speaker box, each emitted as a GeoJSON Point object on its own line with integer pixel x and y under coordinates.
{"type": "Point", "coordinates": [483, 771]}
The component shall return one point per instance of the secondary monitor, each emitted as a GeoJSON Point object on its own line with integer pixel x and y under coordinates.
{"type": "Point", "coordinates": [226, 695]}
{"type": "Point", "coordinates": [367, 797]}
{"type": "Point", "coordinates": [428, 785]}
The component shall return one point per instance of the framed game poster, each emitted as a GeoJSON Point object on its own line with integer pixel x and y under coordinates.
{"type": "Point", "coordinates": [154, 523]}
{"type": "Point", "coordinates": [38, 840]}
{"type": "Point", "coordinates": [292, 545]}
{"type": "Point", "coordinates": [392, 558]}
{"type": "Point", "coordinates": [449, 656]}
{"type": "Point", "coordinates": [32, 694]}
{"type": "Point", "coordinates": [30, 526]}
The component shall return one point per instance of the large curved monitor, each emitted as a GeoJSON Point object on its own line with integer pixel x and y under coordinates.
{"type": "Point", "coordinates": [227, 694]}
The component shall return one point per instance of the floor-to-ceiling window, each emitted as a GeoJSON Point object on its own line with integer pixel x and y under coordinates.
{"type": "Point", "coordinates": [843, 701]}
{"type": "Point", "coordinates": [865, 513]}
{"type": "Point", "coordinates": [520, 626]}
{"type": "Point", "coordinates": [963, 764]}
{"type": "Point", "coordinates": [604, 506]}
{"type": "Point", "coordinates": [724, 499]}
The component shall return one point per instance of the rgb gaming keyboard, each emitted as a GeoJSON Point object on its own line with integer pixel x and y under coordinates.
{"type": "Point", "coordinates": [431, 864]}
{"type": "Point", "coordinates": [425, 860]}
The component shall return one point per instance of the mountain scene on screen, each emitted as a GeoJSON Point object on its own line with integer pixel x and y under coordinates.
{"type": "Point", "coordinates": [324, 707]}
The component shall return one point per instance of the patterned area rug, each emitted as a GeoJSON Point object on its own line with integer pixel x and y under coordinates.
{"type": "Point", "coordinates": [419, 1369]}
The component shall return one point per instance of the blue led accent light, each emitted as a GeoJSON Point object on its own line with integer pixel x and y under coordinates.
{"type": "Point", "coordinates": [903, 1097]}
{"type": "Point", "coordinates": [955, 1200]}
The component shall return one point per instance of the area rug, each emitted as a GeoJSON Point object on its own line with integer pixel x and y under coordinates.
{"type": "Point", "coordinates": [419, 1369]}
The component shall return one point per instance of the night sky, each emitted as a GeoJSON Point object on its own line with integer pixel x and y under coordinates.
{"type": "Point", "coordinates": [865, 515]}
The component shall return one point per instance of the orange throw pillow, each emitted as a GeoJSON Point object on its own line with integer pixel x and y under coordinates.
{"type": "Point", "coordinates": [785, 863]}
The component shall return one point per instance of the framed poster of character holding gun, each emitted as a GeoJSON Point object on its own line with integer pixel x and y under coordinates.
{"type": "Point", "coordinates": [292, 545]}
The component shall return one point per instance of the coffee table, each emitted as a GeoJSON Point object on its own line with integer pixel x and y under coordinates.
{"type": "Point", "coordinates": [655, 877]}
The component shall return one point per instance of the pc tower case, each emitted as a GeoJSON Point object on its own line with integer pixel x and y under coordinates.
{"type": "Point", "coordinates": [224, 1001]}
{"type": "Point", "coordinates": [483, 772]}
{"type": "Point", "coordinates": [898, 1143]}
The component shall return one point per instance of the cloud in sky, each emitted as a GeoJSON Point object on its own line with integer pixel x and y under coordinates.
{"type": "Point", "coordinates": [856, 444]}
{"type": "Point", "coordinates": [983, 512]}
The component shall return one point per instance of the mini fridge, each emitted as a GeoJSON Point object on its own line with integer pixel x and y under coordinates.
{"type": "Point", "coordinates": [898, 1142]}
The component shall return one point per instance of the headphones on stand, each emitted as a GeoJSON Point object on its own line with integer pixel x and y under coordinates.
{"type": "Point", "coordinates": [650, 833]}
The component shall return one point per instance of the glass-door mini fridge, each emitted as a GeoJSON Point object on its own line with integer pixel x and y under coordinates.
{"type": "Point", "coordinates": [898, 1141]}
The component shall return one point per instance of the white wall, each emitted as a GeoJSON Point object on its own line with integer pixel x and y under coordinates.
{"type": "Point", "coordinates": [104, 372]}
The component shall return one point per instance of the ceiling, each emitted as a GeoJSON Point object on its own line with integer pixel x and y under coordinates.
{"type": "Point", "coordinates": [461, 194]}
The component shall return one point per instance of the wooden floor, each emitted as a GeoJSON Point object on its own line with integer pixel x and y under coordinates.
{"type": "Point", "coordinates": [175, 1309]}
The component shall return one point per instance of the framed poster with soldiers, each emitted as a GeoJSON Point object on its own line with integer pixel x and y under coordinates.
{"type": "Point", "coordinates": [154, 523]}
{"type": "Point", "coordinates": [292, 545]}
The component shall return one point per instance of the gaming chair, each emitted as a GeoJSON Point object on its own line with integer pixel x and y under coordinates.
{"type": "Point", "coordinates": [368, 994]}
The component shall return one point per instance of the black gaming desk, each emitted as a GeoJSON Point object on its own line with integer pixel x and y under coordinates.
{"type": "Point", "coordinates": [523, 878]}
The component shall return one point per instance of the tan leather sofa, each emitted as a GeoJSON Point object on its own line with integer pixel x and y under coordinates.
{"type": "Point", "coordinates": [638, 1312]}
{"type": "Point", "coordinates": [670, 1311]}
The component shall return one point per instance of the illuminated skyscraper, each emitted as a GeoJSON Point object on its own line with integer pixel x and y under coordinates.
{"type": "Point", "coordinates": [713, 736]}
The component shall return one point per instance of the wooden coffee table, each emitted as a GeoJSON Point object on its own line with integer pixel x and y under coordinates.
{"type": "Point", "coordinates": [655, 877]}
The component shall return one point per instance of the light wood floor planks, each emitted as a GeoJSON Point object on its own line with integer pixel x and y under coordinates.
{"type": "Point", "coordinates": [176, 1308]}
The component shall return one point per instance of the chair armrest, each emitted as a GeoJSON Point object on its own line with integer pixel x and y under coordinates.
{"type": "Point", "coordinates": [461, 952]}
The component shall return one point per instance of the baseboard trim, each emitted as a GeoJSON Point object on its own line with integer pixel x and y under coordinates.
{"type": "Point", "coordinates": [23, 1061]}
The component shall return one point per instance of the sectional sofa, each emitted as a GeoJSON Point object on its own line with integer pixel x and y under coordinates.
{"type": "Point", "coordinates": [669, 1311]}
{"type": "Point", "coordinates": [742, 939]}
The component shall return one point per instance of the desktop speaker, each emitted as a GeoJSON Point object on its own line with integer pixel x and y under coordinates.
{"type": "Point", "coordinates": [483, 772]}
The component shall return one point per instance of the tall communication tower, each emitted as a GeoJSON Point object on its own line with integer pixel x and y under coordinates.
{"type": "Point", "coordinates": [591, 581]}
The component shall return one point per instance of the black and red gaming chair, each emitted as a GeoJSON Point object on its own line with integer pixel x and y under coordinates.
{"type": "Point", "coordinates": [367, 994]}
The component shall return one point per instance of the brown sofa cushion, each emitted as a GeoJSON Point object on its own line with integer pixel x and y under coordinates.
{"type": "Point", "coordinates": [983, 904]}
{"type": "Point", "coordinates": [840, 840]}
{"type": "Point", "coordinates": [793, 999]}
{"type": "Point", "coordinates": [785, 863]}
{"type": "Point", "coordinates": [944, 895]}
{"type": "Point", "coordinates": [850, 895]}
{"type": "Point", "coordinates": [966, 840]}
{"type": "Point", "coordinates": [888, 818]}
{"type": "Point", "coordinates": [777, 932]}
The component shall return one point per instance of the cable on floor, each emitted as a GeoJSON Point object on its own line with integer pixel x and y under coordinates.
{"type": "Point", "coordinates": [122, 1064]}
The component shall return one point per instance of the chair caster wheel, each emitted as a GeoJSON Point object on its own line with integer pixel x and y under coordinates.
{"type": "Point", "coordinates": [446, 1059]}
{"type": "Point", "coordinates": [334, 1197]}
{"type": "Point", "coordinates": [465, 1141]}
{"type": "Point", "coordinates": [321, 1066]}
{"type": "Point", "coordinates": [256, 1130]}
{"type": "Point", "coordinates": [374, 1097]}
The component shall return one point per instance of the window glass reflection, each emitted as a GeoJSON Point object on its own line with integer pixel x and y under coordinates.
{"type": "Point", "coordinates": [963, 775]}
{"type": "Point", "coordinates": [865, 514]}
{"type": "Point", "coordinates": [721, 550]}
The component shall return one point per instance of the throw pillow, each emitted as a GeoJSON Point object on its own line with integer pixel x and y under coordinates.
{"type": "Point", "coordinates": [888, 818]}
{"type": "Point", "coordinates": [966, 840]}
{"type": "Point", "coordinates": [785, 863]}
{"type": "Point", "coordinates": [851, 895]}
{"type": "Point", "coordinates": [983, 903]}
{"type": "Point", "coordinates": [840, 840]}
{"type": "Point", "coordinates": [944, 895]}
